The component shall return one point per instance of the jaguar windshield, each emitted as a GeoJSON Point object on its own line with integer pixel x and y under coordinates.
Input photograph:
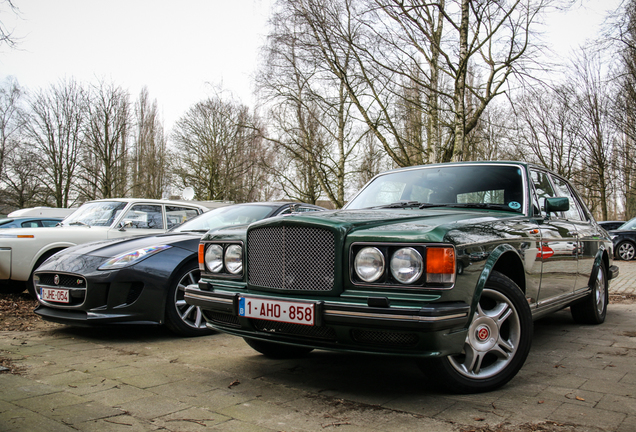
{"type": "Point", "coordinates": [497, 187]}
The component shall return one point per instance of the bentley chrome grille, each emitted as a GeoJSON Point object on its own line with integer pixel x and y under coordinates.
{"type": "Point", "coordinates": [291, 258]}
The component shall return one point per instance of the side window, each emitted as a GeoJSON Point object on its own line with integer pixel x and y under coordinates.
{"type": "Point", "coordinates": [564, 190]}
{"type": "Point", "coordinates": [31, 224]}
{"type": "Point", "coordinates": [543, 189]}
{"type": "Point", "coordinates": [50, 223]}
{"type": "Point", "coordinates": [307, 209]}
{"type": "Point", "coordinates": [145, 216]}
{"type": "Point", "coordinates": [177, 215]}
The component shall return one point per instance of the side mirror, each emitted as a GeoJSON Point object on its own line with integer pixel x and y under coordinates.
{"type": "Point", "coordinates": [556, 204]}
{"type": "Point", "coordinates": [125, 224]}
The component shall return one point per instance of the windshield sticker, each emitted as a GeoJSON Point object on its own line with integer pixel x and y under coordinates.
{"type": "Point", "coordinates": [514, 205]}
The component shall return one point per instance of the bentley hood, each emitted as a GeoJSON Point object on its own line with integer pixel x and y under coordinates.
{"type": "Point", "coordinates": [391, 224]}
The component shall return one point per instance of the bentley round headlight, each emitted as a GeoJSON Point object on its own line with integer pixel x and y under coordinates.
{"type": "Point", "coordinates": [214, 258]}
{"type": "Point", "coordinates": [369, 264]}
{"type": "Point", "coordinates": [234, 259]}
{"type": "Point", "coordinates": [407, 265]}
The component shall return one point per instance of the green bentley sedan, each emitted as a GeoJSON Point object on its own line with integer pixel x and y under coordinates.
{"type": "Point", "coordinates": [448, 264]}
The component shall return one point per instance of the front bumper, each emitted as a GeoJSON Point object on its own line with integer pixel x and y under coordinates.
{"type": "Point", "coordinates": [434, 329]}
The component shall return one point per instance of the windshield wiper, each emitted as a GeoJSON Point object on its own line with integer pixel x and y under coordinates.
{"type": "Point", "coordinates": [196, 230]}
{"type": "Point", "coordinates": [472, 205]}
{"type": "Point", "coordinates": [79, 223]}
{"type": "Point", "coordinates": [399, 204]}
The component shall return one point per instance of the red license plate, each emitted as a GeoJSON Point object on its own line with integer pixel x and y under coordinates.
{"type": "Point", "coordinates": [55, 295]}
{"type": "Point", "coordinates": [278, 310]}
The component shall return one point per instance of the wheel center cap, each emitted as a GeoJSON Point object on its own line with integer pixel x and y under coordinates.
{"type": "Point", "coordinates": [483, 333]}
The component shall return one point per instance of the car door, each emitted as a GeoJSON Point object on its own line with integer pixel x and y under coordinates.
{"type": "Point", "coordinates": [558, 247]}
{"type": "Point", "coordinates": [587, 232]}
{"type": "Point", "coordinates": [140, 219]}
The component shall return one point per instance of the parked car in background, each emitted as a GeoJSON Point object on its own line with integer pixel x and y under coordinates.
{"type": "Point", "coordinates": [42, 212]}
{"type": "Point", "coordinates": [23, 250]}
{"type": "Point", "coordinates": [447, 263]}
{"type": "Point", "coordinates": [624, 239]}
{"type": "Point", "coordinates": [29, 222]}
{"type": "Point", "coordinates": [141, 279]}
{"type": "Point", "coordinates": [611, 225]}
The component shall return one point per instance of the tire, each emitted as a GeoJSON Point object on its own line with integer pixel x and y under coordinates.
{"type": "Point", "coordinates": [625, 251]}
{"type": "Point", "coordinates": [181, 318]}
{"type": "Point", "coordinates": [29, 284]}
{"type": "Point", "coordinates": [593, 308]}
{"type": "Point", "coordinates": [12, 287]}
{"type": "Point", "coordinates": [277, 350]}
{"type": "Point", "coordinates": [497, 343]}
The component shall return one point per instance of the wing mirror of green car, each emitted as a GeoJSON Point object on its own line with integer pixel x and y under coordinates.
{"type": "Point", "coordinates": [557, 204]}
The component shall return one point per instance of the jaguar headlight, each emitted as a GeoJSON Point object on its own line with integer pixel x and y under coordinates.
{"type": "Point", "coordinates": [234, 259]}
{"type": "Point", "coordinates": [214, 258]}
{"type": "Point", "coordinates": [407, 265]}
{"type": "Point", "coordinates": [369, 264]}
{"type": "Point", "coordinates": [132, 257]}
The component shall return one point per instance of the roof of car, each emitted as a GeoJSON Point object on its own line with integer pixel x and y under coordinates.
{"type": "Point", "coordinates": [151, 200]}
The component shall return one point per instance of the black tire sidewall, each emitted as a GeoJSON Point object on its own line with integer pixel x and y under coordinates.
{"type": "Point", "coordinates": [448, 378]}
{"type": "Point", "coordinates": [173, 319]}
{"type": "Point", "coordinates": [618, 247]}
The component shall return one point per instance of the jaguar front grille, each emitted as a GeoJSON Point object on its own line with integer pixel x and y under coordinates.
{"type": "Point", "coordinates": [291, 258]}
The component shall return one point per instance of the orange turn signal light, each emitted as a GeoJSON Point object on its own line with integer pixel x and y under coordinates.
{"type": "Point", "coordinates": [201, 254]}
{"type": "Point", "coordinates": [440, 264]}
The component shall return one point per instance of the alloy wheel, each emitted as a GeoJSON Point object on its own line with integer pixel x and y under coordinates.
{"type": "Point", "coordinates": [493, 338]}
{"type": "Point", "coordinates": [189, 314]}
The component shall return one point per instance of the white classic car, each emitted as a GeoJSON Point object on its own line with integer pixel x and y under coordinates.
{"type": "Point", "coordinates": [23, 250]}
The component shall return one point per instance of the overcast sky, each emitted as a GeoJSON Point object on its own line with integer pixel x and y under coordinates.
{"type": "Point", "coordinates": [178, 49]}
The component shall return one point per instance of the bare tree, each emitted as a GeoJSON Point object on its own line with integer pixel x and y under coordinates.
{"type": "Point", "coordinates": [547, 126]}
{"type": "Point", "coordinates": [218, 149]}
{"type": "Point", "coordinates": [105, 149]}
{"type": "Point", "coordinates": [310, 111]}
{"type": "Point", "coordinates": [622, 32]}
{"type": "Point", "coordinates": [6, 35]}
{"type": "Point", "coordinates": [11, 119]}
{"type": "Point", "coordinates": [441, 40]}
{"type": "Point", "coordinates": [593, 108]}
{"type": "Point", "coordinates": [22, 186]}
{"type": "Point", "coordinates": [55, 128]}
{"type": "Point", "coordinates": [149, 164]}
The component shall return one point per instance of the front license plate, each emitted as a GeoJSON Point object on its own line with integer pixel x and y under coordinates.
{"type": "Point", "coordinates": [55, 295]}
{"type": "Point", "coordinates": [276, 310]}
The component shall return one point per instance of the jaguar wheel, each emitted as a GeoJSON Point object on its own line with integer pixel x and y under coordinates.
{"type": "Point", "coordinates": [12, 287]}
{"type": "Point", "coordinates": [497, 342]}
{"type": "Point", "coordinates": [593, 308]}
{"type": "Point", "coordinates": [277, 350]}
{"type": "Point", "coordinates": [626, 251]}
{"type": "Point", "coordinates": [182, 318]}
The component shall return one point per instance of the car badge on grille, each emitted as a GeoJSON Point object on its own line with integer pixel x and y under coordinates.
{"type": "Point", "coordinates": [79, 281]}
{"type": "Point", "coordinates": [56, 279]}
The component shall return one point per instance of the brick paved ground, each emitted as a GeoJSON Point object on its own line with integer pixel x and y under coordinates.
{"type": "Point", "coordinates": [577, 378]}
{"type": "Point", "coordinates": [626, 283]}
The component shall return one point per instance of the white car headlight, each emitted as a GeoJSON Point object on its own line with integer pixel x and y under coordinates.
{"type": "Point", "coordinates": [132, 257]}
{"type": "Point", "coordinates": [214, 258]}
{"type": "Point", "coordinates": [369, 264]}
{"type": "Point", "coordinates": [407, 265]}
{"type": "Point", "coordinates": [234, 259]}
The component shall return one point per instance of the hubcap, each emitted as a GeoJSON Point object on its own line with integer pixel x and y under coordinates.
{"type": "Point", "coordinates": [626, 251]}
{"type": "Point", "coordinates": [493, 337]}
{"type": "Point", "coordinates": [190, 315]}
{"type": "Point", "coordinates": [600, 291]}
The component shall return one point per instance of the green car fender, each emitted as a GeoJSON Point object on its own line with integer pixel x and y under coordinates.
{"type": "Point", "coordinates": [490, 264]}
